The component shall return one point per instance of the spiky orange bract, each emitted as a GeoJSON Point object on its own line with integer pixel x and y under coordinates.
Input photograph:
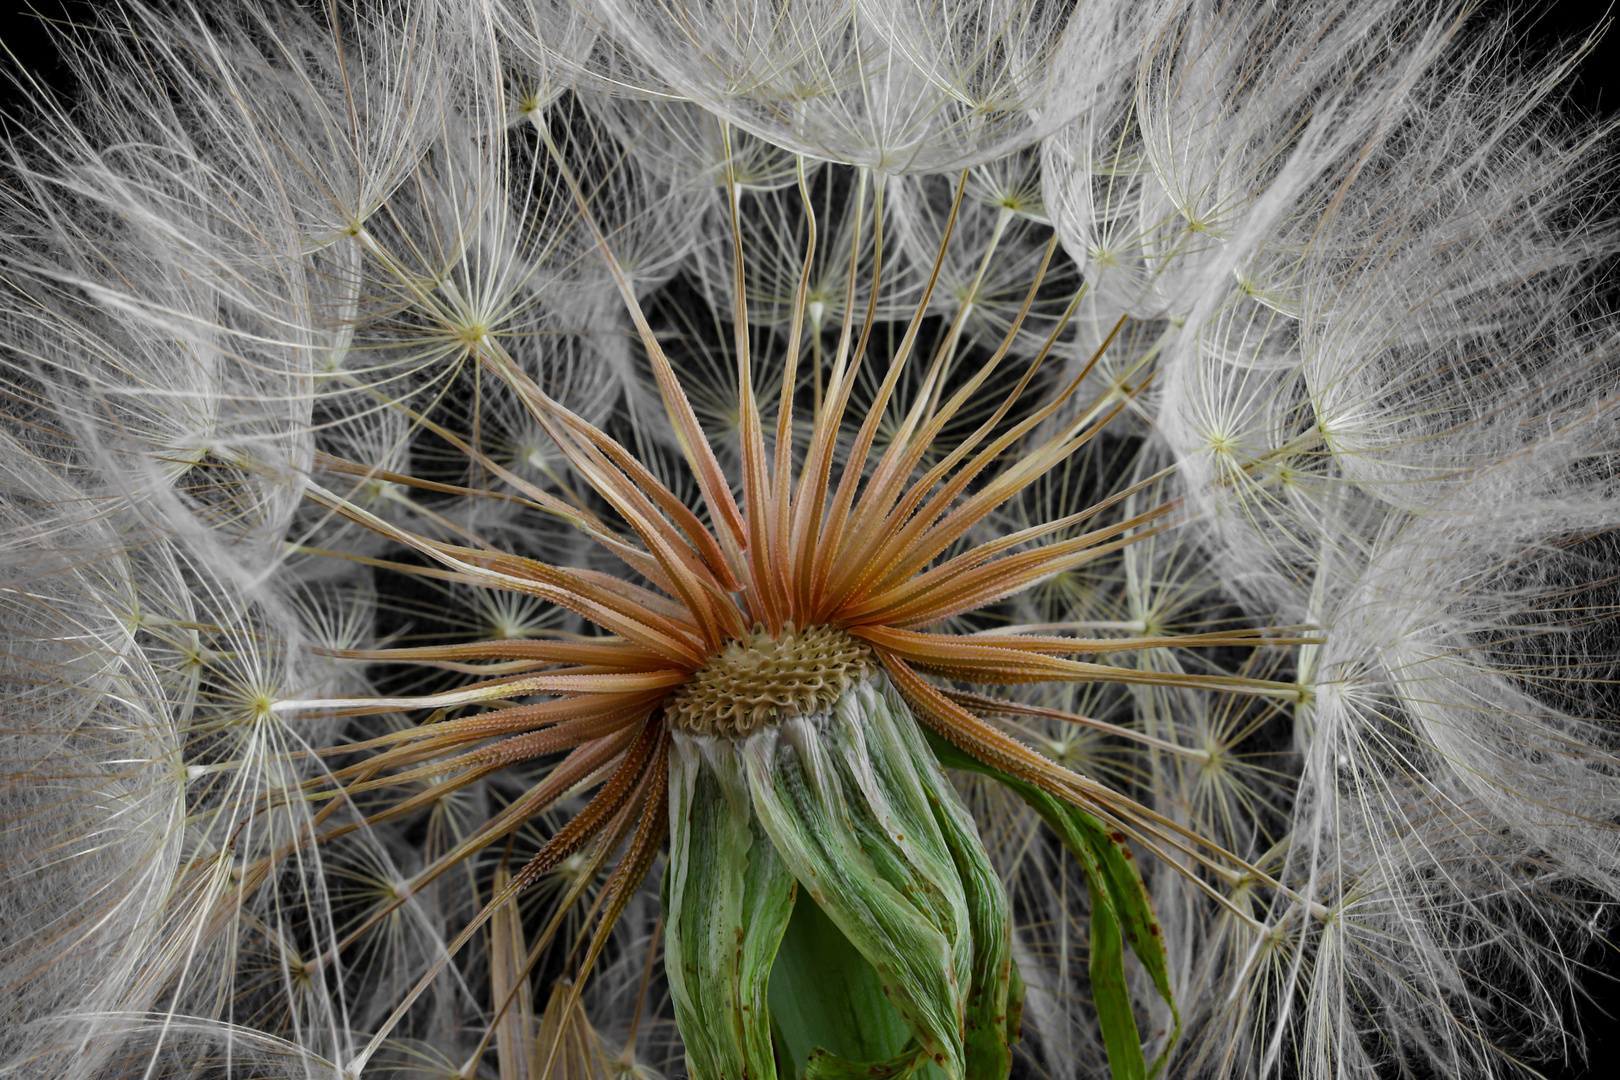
{"type": "Point", "coordinates": [852, 544]}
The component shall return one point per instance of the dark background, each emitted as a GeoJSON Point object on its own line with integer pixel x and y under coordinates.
{"type": "Point", "coordinates": [1543, 27]}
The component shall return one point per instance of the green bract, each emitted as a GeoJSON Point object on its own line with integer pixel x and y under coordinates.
{"type": "Point", "coordinates": [851, 804]}
{"type": "Point", "coordinates": [1121, 913]}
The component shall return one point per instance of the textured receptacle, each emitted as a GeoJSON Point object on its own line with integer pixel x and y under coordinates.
{"type": "Point", "coordinates": [762, 679]}
{"type": "Point", "coordinates": [850, 803]}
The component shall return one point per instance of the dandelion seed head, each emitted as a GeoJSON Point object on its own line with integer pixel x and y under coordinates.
{"type": "Point", "coordinates": [416, 414]}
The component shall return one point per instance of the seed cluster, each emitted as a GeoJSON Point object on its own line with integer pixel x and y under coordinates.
{"type": "Point", "coordinates": [760, 680]}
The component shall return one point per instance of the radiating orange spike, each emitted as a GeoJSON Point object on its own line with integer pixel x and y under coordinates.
{"type": "Point", "coordinates": [766, 602]}
{"type": "Point", "coordinates": [1033, 670]}
{"type": "Point", "coordinates": [983, 703]}
{"type": "Point", "coordinates": [881, 544]}
{"type": "Point", "coordinates": [638, 859]}
{"type": "Point", "coordinates": [436, 738]}
{"type": "Point", "coordinates": [600, 811]}
{"type": "Point", "coordinates": [918, 542]}
{"type": "Point", "coordinates": [900, 460]}
{"type": "Point", "coordinates": [816, 476]}
{"type": "Point", "coordinates": [703, 578]}
{"type": "Point", "coordinates": [620, 654]}
{"type": "Point", "coordinates": [707, 547]}
{"type": "Point", "coordinates": [970, 573]}
{"type": "Point", "coordinates": [1000, 751]}
{"type": "Point", "coordinates": [645, 599]}
{"type": "Point", "coordinates": [782, 481]}
{"type": "Point", "coordinates": [567, 682]}
{"type": "Point", "coordinates": [680, 568]}
{"type": "Point", "coordinates": [1060, 646]}
{"type": "Point", "coordinates": [995, 748]}
{"type": "Point", "coordinates": [564, 588]}
{"type": "Point", "coordinates": [856, 463]}
{"type": "Point", "coordinates": [617, 790]}
{"type": "Point", "coordinates": [997, 581]}
{"type": "Point", "coordinates": [684, 576]}
{"type": "Point", "coordinates": [534, 497]}
{"type": "Point", "coordinates": [882, 493]}
{"type": "Point", "coordinates": [764, 597]}
{"type": "Point", "coordinates": [513, 1028]}
{"type": "Point", "coordinates": [573, 770]}
{"type": "Point", "coordinates": [907, 545]}
{"type": "Point", "coordinates": [324, 462]}
{"type": "Point", "coordinates": [898, 585]}
{"type": "Point", "coordinates": [972, 660]}
{"type": "Point", "coordinates": [467, 767]}
{"type": "Point", "coordinates": [583, 519]}
{"type": "Point", "coordinates": [688, 430]}
{"type": "Point", "coordinates": [651, 824]}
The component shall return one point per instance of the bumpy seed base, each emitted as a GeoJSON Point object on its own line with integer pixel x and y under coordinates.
{"type": "Point", "coordinates": [761, 680]}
